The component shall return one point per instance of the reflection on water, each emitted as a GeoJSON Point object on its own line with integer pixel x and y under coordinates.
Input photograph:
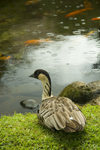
{"type": "Point", "coordinates": [73, 54]}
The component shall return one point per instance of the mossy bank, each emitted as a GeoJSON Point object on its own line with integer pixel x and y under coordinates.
{"type": "Point", "coordinates": [23, 132]}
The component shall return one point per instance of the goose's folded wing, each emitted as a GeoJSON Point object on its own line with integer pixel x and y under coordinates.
{"type": "Point", "coordinates": [62, 114]}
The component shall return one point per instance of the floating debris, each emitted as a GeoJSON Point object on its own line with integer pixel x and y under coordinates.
{"type": "Point", "coordinates": [91, 32]}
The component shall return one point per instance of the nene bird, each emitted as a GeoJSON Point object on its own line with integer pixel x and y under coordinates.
{"type": "Point", "coordinates": [58, 113]}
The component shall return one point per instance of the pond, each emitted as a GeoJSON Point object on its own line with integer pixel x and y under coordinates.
{"type": "Point", "coordinates": [67, 46]}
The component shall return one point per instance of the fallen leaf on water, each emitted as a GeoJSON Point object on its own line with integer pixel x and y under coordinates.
{"type": "Point", "coordinates": [97, 18]}
{"type": "Point", "coordinates": [30, 42]}
{"type": "Point", "coordinates": [77, 12]}
{"type": "Point", "coordinates": [91, 32]}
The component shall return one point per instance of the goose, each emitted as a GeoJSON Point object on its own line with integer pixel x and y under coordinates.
{"type": "Point", "coordinates": [58, 113]}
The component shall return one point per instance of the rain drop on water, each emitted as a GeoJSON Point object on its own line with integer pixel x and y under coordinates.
{"type": "Point", "coordinates": [66, 27]}
{"type": "Point", "coordinates": [77, 24]}
{"type": "Point", "coordinates": [83, 23]}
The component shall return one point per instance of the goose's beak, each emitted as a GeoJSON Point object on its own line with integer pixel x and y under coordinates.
{"type": "Point", "coordinates": [32, 75]}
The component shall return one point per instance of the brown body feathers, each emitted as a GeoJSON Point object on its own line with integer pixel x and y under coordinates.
{"type": "Point", "coordinates": [61, 114]}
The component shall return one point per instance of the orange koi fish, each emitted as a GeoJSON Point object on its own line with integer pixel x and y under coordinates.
{"type": "Point", "coordinates": [30, 42]}
{"type": "Point", "coordinates": [4, 57]}
{"type": "Point", "coordinates": [77, 12]}
{"type": "Point", "coordinates": [98, 18]}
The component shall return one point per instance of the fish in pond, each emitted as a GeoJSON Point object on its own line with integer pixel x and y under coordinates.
{"type": "Point", "coordinates": [76, 12]}
{"type": "Point", "coordinates": [31, 42]}
{"type": "Point", "coordinates": [94, 19]}
{"type": "Point", "coordinates": [4, 57]}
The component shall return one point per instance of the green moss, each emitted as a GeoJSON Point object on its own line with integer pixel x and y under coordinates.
{"type": "Point", "coordinates": [79, 94]}
{"type": "Point", "coordinates": [23, 132]}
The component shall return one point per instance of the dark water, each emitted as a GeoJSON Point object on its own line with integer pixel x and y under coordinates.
{"type": "Point", "coordinates": [72, 54]}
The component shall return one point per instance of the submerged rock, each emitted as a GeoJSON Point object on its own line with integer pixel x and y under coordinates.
{"type": "Point", "coordinates": [82, 93]}
{"type": "Point", "coordinates": [30, 104]}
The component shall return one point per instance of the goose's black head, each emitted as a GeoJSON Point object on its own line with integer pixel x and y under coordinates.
{"type": "Point", "coordinates": [40, 72]}
{"type": "Point", "coordinates": [46, 81]}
